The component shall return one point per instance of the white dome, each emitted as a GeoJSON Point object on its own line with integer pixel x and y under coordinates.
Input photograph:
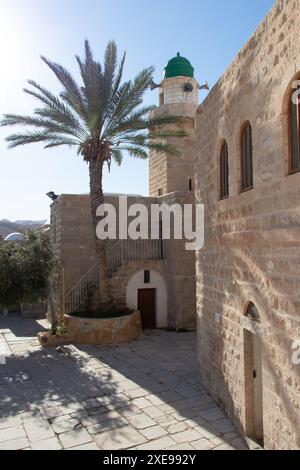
{"type": "Point", "coordinates": [13, 237]}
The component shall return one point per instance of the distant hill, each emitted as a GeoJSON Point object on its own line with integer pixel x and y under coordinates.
{"type": "Point", "coordinates": [7, 227]}
{"type": "Point", "coordinates": [30, 223]}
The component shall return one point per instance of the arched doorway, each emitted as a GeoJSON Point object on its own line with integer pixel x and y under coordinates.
{"type": "Point", "coordinates": [253, 378]}
{"type": "Point", "coordinates": [146, 290]}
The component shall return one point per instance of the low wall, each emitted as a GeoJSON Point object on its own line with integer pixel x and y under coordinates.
{"type": "Point", "coordinates": [37, 310]}
{"type": "Point", "coordinates": [103, 330]}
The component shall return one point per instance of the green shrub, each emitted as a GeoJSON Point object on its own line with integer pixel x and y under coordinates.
{"type": "Point", "coordinates": [25, 269]}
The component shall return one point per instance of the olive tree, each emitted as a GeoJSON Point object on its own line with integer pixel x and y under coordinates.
{"type": "Point", "coordinates": [26, 268]}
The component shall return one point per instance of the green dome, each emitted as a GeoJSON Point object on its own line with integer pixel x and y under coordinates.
{"type": "Point", "coordinates": [179, 66]}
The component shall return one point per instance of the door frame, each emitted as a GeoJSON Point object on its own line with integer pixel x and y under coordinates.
{"type": "Point", "coordinates": [155, 301]}
{"type": "Point", "coordinates": [250, 337]}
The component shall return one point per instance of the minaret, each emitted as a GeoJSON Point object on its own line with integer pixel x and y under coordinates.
{"type": "Point", "coordinates": [178, 95]}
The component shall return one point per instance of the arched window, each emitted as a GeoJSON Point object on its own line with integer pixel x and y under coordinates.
{"type": "Point", "coordinates": [190, 184]}
{"type": "Point", "coordinates": [294, 130]}
{"type": "Point", "coordinates": [224, 172]}
{"type": "Point", "coordinates": [246, 158]}
{"type": "Point", "coordinates": [252, 312]}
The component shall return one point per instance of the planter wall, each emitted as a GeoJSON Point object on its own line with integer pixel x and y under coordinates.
{"type": "Point", "coordinates": [103, 330]}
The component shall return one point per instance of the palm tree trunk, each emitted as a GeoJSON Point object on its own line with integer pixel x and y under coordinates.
{"type": "Point", "coordinates": [97, 198]}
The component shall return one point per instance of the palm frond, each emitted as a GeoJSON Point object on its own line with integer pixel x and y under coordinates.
{"type": "Point", "coordinates": [146, 144]}
{"type": "Point", "coordinates": [44, 95]}
{"type": "Point", "coordinates": [133, 121]}
{"type": "Point", "coordinates": [47, 124]}
{"type": "Point", "coordinates": [118, 78]}
{"type": "Point", "coordinates": [29, 137]}
{"type": "Point", "coordinates": [93, 89]}
{"type": "Point", "coordinates": [61, 141]}
{"type": "Point", "coordinates": [103, 112]}
{"type": "Point", "coordinates": [117, 155]}
{"type": "Point", "coordinates": [110, 64]}
{"type": "Point", "coordinates": [141, 83]}
{"type": "Point", "coordinates": [116, 104]}
{"type": "Point", "coordinates": [55, 109]}
{"type": "Point", "coordinates": [163, 147]}
{"type": "Point", "coordinates": [72, 93]}
{"type": "Point", "coordinates": [135, 151]}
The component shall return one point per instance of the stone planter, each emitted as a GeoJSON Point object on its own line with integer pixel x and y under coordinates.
{"type": "Point", "coordinates": [103, 330]}
{"type": "Point", "coordinates": [47, 339]}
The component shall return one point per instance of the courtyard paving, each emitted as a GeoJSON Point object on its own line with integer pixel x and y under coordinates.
{"type": "Point", "coordinates": [142, 395]}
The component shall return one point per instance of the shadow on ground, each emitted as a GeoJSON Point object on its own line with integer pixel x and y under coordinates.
{"type": "Point", "coordinates": [145, 394]}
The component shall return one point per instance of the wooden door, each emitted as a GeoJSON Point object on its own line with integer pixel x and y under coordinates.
{"type": "Point", "coordinates": [146, 305]}
{"type": "Point", "coordinates": [258, 390]}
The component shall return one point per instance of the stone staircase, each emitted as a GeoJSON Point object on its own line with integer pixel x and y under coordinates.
{"type": "Point", "coordinates": [79, 294]}
{"type": "Point", "coordinates": [120, 253]}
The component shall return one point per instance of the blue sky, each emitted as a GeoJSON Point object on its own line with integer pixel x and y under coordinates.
{"type": "Point", "coordinates": [209, 33]}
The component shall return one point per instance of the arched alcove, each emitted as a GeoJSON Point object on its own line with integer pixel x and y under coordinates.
{"type": "Point", "coordinates": [153, 286]}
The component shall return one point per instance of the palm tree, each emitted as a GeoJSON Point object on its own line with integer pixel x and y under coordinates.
{"type": "Point", "coordinates": [102, 118]}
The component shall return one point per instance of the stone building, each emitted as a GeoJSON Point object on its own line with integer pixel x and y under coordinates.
{"type": "Point", "coordinates": [241, 159]}
{"type": "Point", "coordinates": [247, 166]}
{"type": "Point", "coordinates": [158, 276]}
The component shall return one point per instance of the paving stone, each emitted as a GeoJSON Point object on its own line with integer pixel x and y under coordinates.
{"type": "Point", "coordinates": [71, 407]}
{"type": "Point", "coordinates": [211, 414]}
{"type": "Point", "coordinates": [107, 424]}
{"type": "Point", "coordinates": [238, 444]}
{"type": "Point", "coordinates": [10, 421]}
{"type": "Point", "coordinates": [202, 444]}
{"type": "Point", "coordinates": [178, 427]}
{"type": "Point", "coordinates": [167, 409]}
{"type": "Point", "coordinates": [141, 402]}
{"type": "Point", "coordinates": [15, 444]}
{"type": "Point", "coordinates": [153, 411]}
{"type": "Point", "coordinates": [129, 410]}
{"type": "Point", "coordinates": [216, 441]}
{"type": "Point", "coordinates": [53, 412]}
{"type": "Point", "coordinates": [130, 401]}
{"type": "Point", "coordinates": [223, 425]}
{"type": "Point", "coordinates": [12, 433]}
{"type": "Point", "coordinates": [228, 436]}
{"type": "Point", "coordinates": [154, 432]}
{"type": "Point", "coordinates": [196, 421]}
{"type": "Point", "coordinates": [79, 414]}
{"type": "Point", "coordinates": [183, 446]}
{"type": "Point", "coordinates": [207, 431]}
{"type": "Point", "coordinates": [74, 438]}
{"type": "Point", "coordinates": [137, 393]}
{"type": "Point", "coordinates": [114, 398]}
{"type": "Point", "coordinates": [38, 429]}
{"type": "Point", "coordinates": [224, 447]}
{"type": "Point", "coordinates": [125, 438]}
{"type": "Point", "coordinates": [106, 416]}
{"type": "Point", "coordinates": [141, 421]}
{"type": "Point", "coordinates": [87, 446]}
{"type": "Point", "coordinates": [100, 410]}
{"type": "Point", "coordinates": [170, 396]}
{"type": "Point", "coordinates": [183, 415]}
{"type": "Point", "coordinates": [46, 444]}
{"type": "Point", "coordinates": [158, 444]}
{"type": "Point", "coordinates": [186, 436]}
{"type": "Point", "coordinates": [91, 403]}
{"type": "Point", "coordinates": [59, 419]}
{"type": "Point", "coordinates": [155, 400]}
{"type": "Point", "coordinates": [66, 425]}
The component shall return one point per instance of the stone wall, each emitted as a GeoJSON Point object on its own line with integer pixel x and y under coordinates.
{"type": "Point", "coordinates": [72, 237]}
{"type": "Point", "coordinates": [252, 239]}
{"type": "Point", "coordinates": [167, 172]}
{"type": "Point", "coordinates": [37, 310]}
{"type": "Point", "coordinates": [180, 272]}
